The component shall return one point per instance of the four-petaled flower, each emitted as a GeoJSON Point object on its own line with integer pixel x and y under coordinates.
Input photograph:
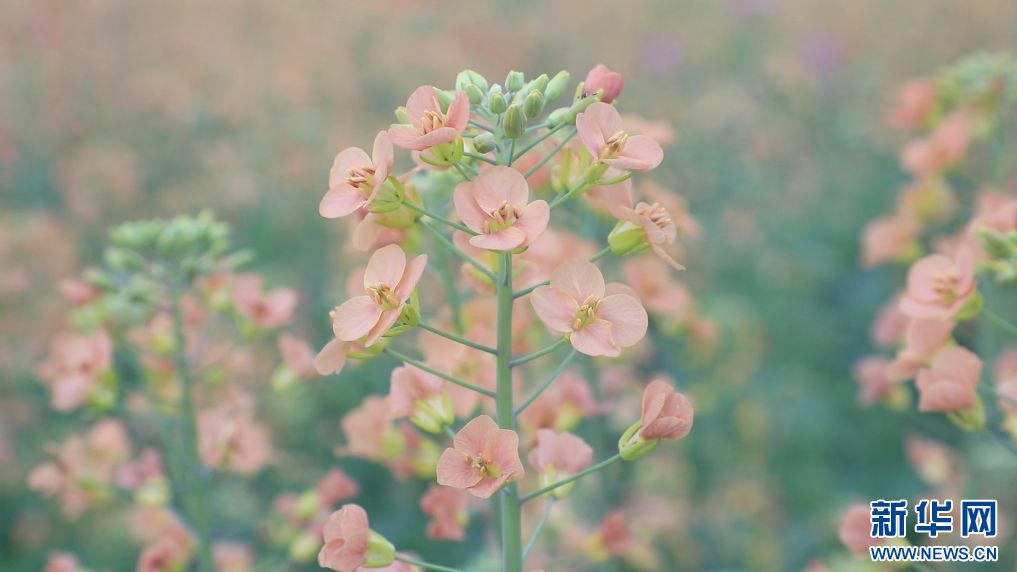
{"type": "Point", "coordinates": [430, 126]}
{"type": "Point", "coordinates": [600, 128]}
{"type": "Point", "coordinates": [495, 206]}
{"type": "Point", "coordinates": [355, 178]}
{"type": "Point", "coordinates": [484, 459]}
{"type": "Point", "coordinates": [938, 286]}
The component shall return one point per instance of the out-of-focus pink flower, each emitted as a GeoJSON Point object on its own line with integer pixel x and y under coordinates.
{"type": "Point", "coordinates": [660, 131]}
{"type": "Point", "coordinates": [950, 382]}
{"type": "Point", "coordinates": [447, 508]}
{"type": "Point", "coordinates": [165, 555]}
{"type": "Point", "coordinates": [232, 556]}
{"type": "Point", "coordinates": [1005, 374]}
{"type": "Point", "coordinates": [890, 239]}
{"type": "Point", "coordinates": [561, 406]}
{"type": "Point", "coordinates": [350, 544]}
{"type": "Point", "coordinates": [667, 414]}
{"type": "Point", "coordinates": [558, 456]}
{"type": "Point", "coordinates": [463, 362]}
{"type": "Point", "coordinates": [602, 78]}
{"type": "Point", "coordinates": [613, 538]}
{"type": "Point", "coordinates": [873, 383]}
{"type": "Point", "coordinates": [297, 355]}
{"type": "Point", "coordinates": [660, 293]}
{"type": "Point", "coordinates": [78, 292]}
{"type": "Point", "coordinates": [496, 206]}
{"type": "Point", "coordinates": [888, 328]}
{"type": "Point", "coordinates": [137, 473]}
{"type": "Point", "coordinates": [922, 339]}
{"type": "Point", "coordinates": [74, 366]}
{"type": "Point", "coordinates": [62, 562]}
{"type": "Point", "coordinates": [263, 309]}
{"type": "Point", "coordinates": [484, 459]}
{"type": "Point", "coordinates": [938, 287]}
{"type": "Point", "coordinates": [600, 128]}
{"type": "Point", "coordinates": [927, 200]}
{"type": "Point", "coordinates": [915, 101]}
{"type": "Point", "coordinates": [429, 126]}
{"type": "Point", "coordinates": [355, 178]}
{"type": "Point", "coordinates": [934, 462]}
{"type": "Point", "coordinates": [944, 148]}
{"type": "Point", "coordinates": [229, 437]}
{"type": "Point", "coordinates": [856, 528]}
{"type": "Point", "coordinates": [332, 358]}
{"type": "Point", "coordinates": [421, 397]}
{"type": "Point", "coordinates": [388, 281]}
{"type": "Point", "coordinates": [150, 524]}
{"type": "Point", "coordinates": [576, 304]}
{"type": "Point", "coordinates": [1001, 218]}
{"type": "Point", "coordinates": [652, 225]}
{"type": "Point", "coordinates": [370, 234]}
{"type": "Point", "coordinates": [336, 486]}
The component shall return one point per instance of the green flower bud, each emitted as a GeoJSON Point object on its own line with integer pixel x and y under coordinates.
{"type": "Point", "coordinates": [307, 504]}
{"type": "Point", "coordinates": [557, 116]}
{"type": "Point", "coordinates": [380, 552]}
{"type": "Point", "coordinates": [470, 77]}
{"type": "Point", "coordinates": [401, 115]}
{"type": "Point", "coordinates": [556, 87]}
{"type": "Point", "coordinates": [533, 104]}
{"type": "Point", "coordinates": [996, 244]}
{"type": "Point", "coordinates": [626, 238]}
{"type": "Point", "coordinates": [284, 379]}
{"type": "Point", "coordinates": [514, 124]}
{"type": "Point", "coordinates": [632, 446]}
{"type": "Point", "coordinates": [444, 99]}
{"type": "Point", "coordinates": [514, 81]}
{"type": "Point", "coordinates": [539, 84]}
{"type": "Point", "coordinates": [496, 103]}
{"type": "Point", "coordinates": [577, 108]}
{"type": "Point", "coordinates": [305, 547]}
{"type": "Point", "coordinates": [474, 94]}
{"type": "Point", "coordinates": [484, 143]}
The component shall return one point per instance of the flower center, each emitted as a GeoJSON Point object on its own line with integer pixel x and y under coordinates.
{"type": "Point", "coordinates": [362, 179]}
{"type": "Point", "coordinates": [431, 122]}
{"type": "Point", "coordinates": [482, 466]}
{"type": "Point", "coordinates": [655, 213]}
{"type": "Point", "coordinates": [384, 296]}
{"type": "Point", "coordinates": [501, 218]}
{"type": "Point", "coordinates": [945, 285]}
{"type": "Point", "coordinates": [587, 313]}
{"type": "Point", "coordinates": [614, 145]}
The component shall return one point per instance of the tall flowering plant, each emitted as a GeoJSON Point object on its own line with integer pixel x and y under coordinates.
{"type": "Point", "coordinates": [494, 174]}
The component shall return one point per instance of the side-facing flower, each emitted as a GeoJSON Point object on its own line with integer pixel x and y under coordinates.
{"type": "Point", "coordinates": [420, 396]}
{"type": "Point", "coordinates": [641, 226]}
{"type": "Point", "coordinates": [350, 544]}
{"type": "Point", "coordinates": [941, 287]}
{"type": "Point", "coordinates": [600, 128]}
{"type": "Point", "coordinates": [262, 309]}
{"type": "Point", "coordinates": [298, 362]}
{"type": "Point", "coordinates": [602, 78]}
{"type": "Point", "coordinates": [496, 206]}
{"type": "Point", "coordinates": [484, 459]}
{"type": "Point", "coordinates": [950, 381]}
{"type": "Point", "coordinates": [922, 339]}
{"type": "Point", "coordinates": [855, 530]}
{"type": "Point", "coordinates": [559, 456]}
{"type": "Point", "coordinates": [74, 368]}
{"type": "Point", "coordinates": [388, 281]}
{"type": "Point", "coordinates": [447, 508]}
{"type": "Point", "coordinates": [429, 125]}
{"type": "Point", "coordinates": [356, 179]}
{"type": "Point", "coordinates": [666, 414]}
{"type": "Point", "coordinates": [577, 304]}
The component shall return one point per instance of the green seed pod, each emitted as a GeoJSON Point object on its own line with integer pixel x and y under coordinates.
{"type": "Point", "coordinates": [484, 143]}
{"type": "Point", "coordinates": [556, 87]}
{"type": "Point", "coordinates": [515, 122]}
{"type": "Point", "coordinates": [514, 81]}
{"type": "Point", "coordinates": [496, 103]}
{"type": "Point", "coordinates": [533, 104]}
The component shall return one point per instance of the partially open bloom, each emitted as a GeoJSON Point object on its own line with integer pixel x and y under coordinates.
{"type": "Point", "coordinates": [666, 414]}
{"type": "Point", "coordinates": [890, 239]}
{"type": "Point", "coordinates": [941, 287]}
{"type": "Point", "coordinates": [262, 309]}
{"type": "Point", "coordinates": [429, 126]}
{"type": "Point", "coordinates": [229, 437]}
{"type": "Point", "coordinates": [922, 339]}
{"type": "Point", "coordinates": [559, 456]}
{"type": "Point", "coordinates": [350, 544]}
{"type": "Point", "coordinates": [873, 383]}
{"type": "Point", "coordinates": [298, 361]}
{"type": "Point", "coordinates": [641, 226]}
{"type": "Point", "coordinates": [484, 459]}
{"type": "Point", "coordinates": [613, 538]}
{"type": "Point", "coordinates": [355, 178]}
{"type": "Point", "coordinates": [420, 396]}
{"type": "Point", "coordinates": [600, 128]}
{"type": "Point", "coordinates": [388, 281]}
{"type": "Point", "coordinates": [950, 382]}
{"type": "Point", "coordinates": [915, 101]}
{"type": "Point", "coordinates": [74, 367]}
{"type": "Point", "coordinates": [944, 148]}
{"type": "Point", "coordinates": [495, 205]}
{"type": "Point", "coordinates": [447, 508]}
{"type": "Point", "coordinates": [602, 78]}
{"type": "Point", "coordinates": [856, 528]}
{"type": "Point", "coordinates": [577, 304]}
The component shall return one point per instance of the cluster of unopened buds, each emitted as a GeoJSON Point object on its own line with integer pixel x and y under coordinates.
{"type": "Point", "coordinates": [492, 168]}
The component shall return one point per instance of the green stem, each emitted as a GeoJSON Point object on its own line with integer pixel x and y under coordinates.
{"type": "Point", "coordinates": [601, 254]}
{"type": "Point", "coordinates": [463, 172]}
{"type": "Point", "coordinates": [480, 158]}
{"type": "Point", "coordinates": [541, 126]}
{"type": "Point", "coordinates": [535, 355]}
{"type": "Point", "coordinates": [458, 339]}
{"type": "Point", "coordinates": [426, 565]}
{"type": "Point", "coordinates": [548, 157]}
{"type": "Point", "coordinates": [439, 218]}
{"type": "Point", "coordinates": [573, 478]}
{"type": "Point", "coordinates": [194, 486]}
{"type": "Point", "coordinates": [540, 527]}
{"type": "Point", "coordinates": [1000, 322]}
{"type": "Point", "coordinates": [511, 513]}
{"type": "Point", "coordinates": [449, 431]}
{"type": "Point", "coordinates": [537, 141]}
{"type": "Point", "coordinates": [582, 186]}
{"type": "Point", "coordinates": [449, 244]}
{"type": "Point", "coordinates": [511, 155]}
{"type": "Point", "coordinates": [431, 370]}
{"type": "Point", "coordinates": [547, 382]}
{"type": "Point", "coordinates": [451, 290]}
{"type": "Point", "coordinates": [480, 126]}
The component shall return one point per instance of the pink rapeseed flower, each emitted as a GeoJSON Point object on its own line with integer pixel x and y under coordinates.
{"type": "Point", "coordinates": [448, 509]}
{"type": "Point", "coordinates": [575, 304]}
{"type": "Point", "coordinates": [355, 178]}
{"type": "Point", "coordinates": [938, 286]}
{"type": "Point", "coordinates": [667, 414]}
{"type": "Point", "coordinates": [430, 126]}
{"type": "Point", "coordinates": [602, 78]}
{"type": "Point", "coordinates": [350, 544]}
{"type": "Point", "coordinates": [388, 281]}
{"type": "Point", "coordinates": [495, 206]}
{"type": "Point", "coordinates": [484, 459]}
{"type": "Point", "coordinates": [263, 309]}
{"type": "Point", "coordinates": [950, 382]}
{"type": "Point", "coordinates": [559, 456]}
{"type": "Point", "coordinates": [601, 130]}
{"type": "Point", "coordinates": [855, 530]}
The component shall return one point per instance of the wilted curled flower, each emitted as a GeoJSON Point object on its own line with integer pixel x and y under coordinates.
{"type": "Point", "coordinates": [667, 414]}
{"type": "Point", "coordinates": [495, 206]}
{"type": "Point", "coordinates": [356, 179]}
{"type": "Point", "coordinates": [350, 544]}
{"type": "Point", "coordinates": [602, 78]}
{"type": "Point", "coordinates": [558, 456]}
{"type": "Point", "coordinates": [484, 459]}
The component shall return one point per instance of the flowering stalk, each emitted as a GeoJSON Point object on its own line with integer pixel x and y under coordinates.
{"type": "Point", "coordinates": [511, 515]}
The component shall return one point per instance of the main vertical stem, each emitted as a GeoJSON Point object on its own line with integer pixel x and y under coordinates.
{"type": "Point", "coordinates": [511, 521]}
{"type": "Point", "coordinates": [192, 484]}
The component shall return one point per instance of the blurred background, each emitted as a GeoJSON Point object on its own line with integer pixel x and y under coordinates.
{"type": "Point", "coordinates": [114, 110]}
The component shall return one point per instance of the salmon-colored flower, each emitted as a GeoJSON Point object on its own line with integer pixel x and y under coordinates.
{"type": "Point", "coordinates": [890, 239]}
{"type": "Point", "coordinates": [62, 562]}
{"type": "Point", "coordinates": [165, 555]}
{"type": "Point", "coordinates": [430, 126]}
{"type": "Point", "coordinates": [613, 538]}
{"type": "Point", "coordinates": [75, 364]}
{"type": "Point", "coordinates": [890, 325]}
{"type": "Point", "coordinates": [950, 382]}
{"type": "Point", "coordinates": [667, 414]}
{"type": "Point", "coordinates": [938, 286]}
{"type": "Point", "coordinates": [562, 406]}
{"type": "Point", "coordinates": [600, 128]}
{"type": "Point", "coordinates": [577, 304]}
{"type": "Point", "coordinates": [657, 290]}
{"type": "Point", "coordinates": [420, 396]}
{"type": "Point", "coordinates": [944, 148]}
{"type": "Point", "coordinates": [934, 462]}
{"type": "Point", "coordinates": [350, 544]}
{"type": "Point", "coordinates": [915, 101]}
{"type": "Point", "coordinates": [642, 225]}
{"type": "Point", "coordinates": [388, 281]}
{"type": "Point", "coordinates": [922, 339]}
{"type": "Point", "coordinates": [495, 206]}
{"type": "Point", "coordinates": [355, 178]}
{"type": "Point", "coordinates": [447, 508]}
{"type": "Point", "coordinates": [335, 486]}
{"type": "Point", "coordinates": [856, 530]}
{"type": "Point", "coordinates": [602, 78]}
{"type": "Point", "coordinates": [229, 437]}
{"type": "Point", "coordinates": [332, 358]}
{"type": "Point", "coordinates": [262, 309]}
{"type": "Point", "coordinates": [232, 557]}
{"type": "Point", "coordinates": [873, 383]}
{"type": "Point", "coordinates": [558, 456]}
{"type": "Point", "coordinates": [298, 361]}
{"type": "Point", "coordinates": [484, 459]}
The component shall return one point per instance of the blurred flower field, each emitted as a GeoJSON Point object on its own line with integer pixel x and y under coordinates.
{"type": "Point", "coordinates": [814, 155]}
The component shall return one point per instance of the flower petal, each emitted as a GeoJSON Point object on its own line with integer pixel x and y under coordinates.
{"type": "Point", "coordinates": [454, 470]}
{"type": "Point", "coordinates": [386, 267]}
{"type": "Point", "coordinates": [467, 208]}
{"type": "Point", "coordinates": [533, 220]}
{"type": "Point", "coordinates": [555, 307]}
{"type": "Point", "coordinates": [422, 100]}
{"type": "Point", "coordinates": [414, 270]}
{"type": "Point", "coordinates": [497, 185]}
{"type": "Point", "coordinates": [627, 316]}
{"type": "Point", "coordinates": [340, 201]}
{"type": "Point", "coordinates": [355, 318]}
{"type": "Point", "coordinates": [388, 317]}
{"type": "Point", "coordinates": [595, 339]}
{"type": "Point", "coordinates": [349, 158]}
{"type": "Point", "coordinates": [505, 239]}
{"type": "Point", "coordinates": [332, 357]}
{"type": "Point", "coordinates": [579, 278]}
